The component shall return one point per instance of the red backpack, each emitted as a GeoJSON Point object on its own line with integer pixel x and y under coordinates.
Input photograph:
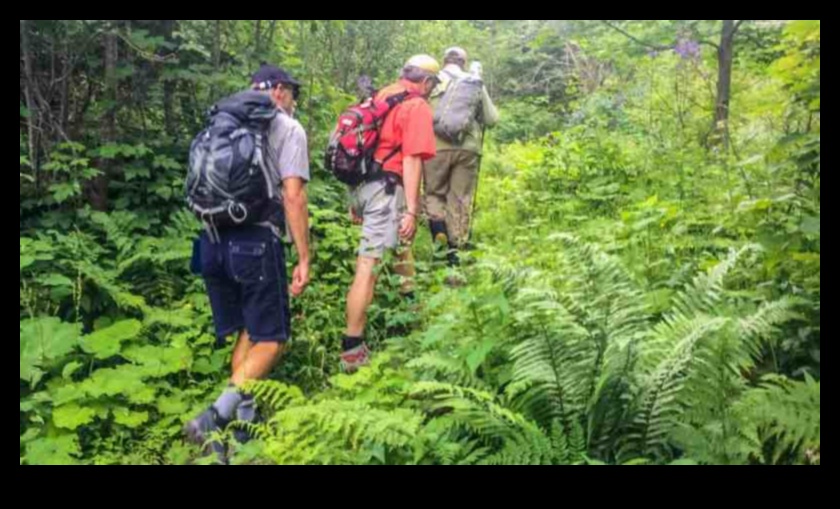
{"type": "Point", "coordinates": [356, 138]}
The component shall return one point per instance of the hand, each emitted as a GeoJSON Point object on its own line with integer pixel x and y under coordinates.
{"type": "Point", "coordinates": [408, 227]}
{"type": "Point", "coordinates": [354, 218]}
{"type": "Point", "coordinates": [300, 279]}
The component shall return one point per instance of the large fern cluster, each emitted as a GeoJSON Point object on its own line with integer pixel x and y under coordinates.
{"type": "Point", "coordinates": [591, 363]}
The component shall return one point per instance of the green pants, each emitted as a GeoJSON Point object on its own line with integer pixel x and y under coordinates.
{"type": "Point", "coordinates": [450, 184]}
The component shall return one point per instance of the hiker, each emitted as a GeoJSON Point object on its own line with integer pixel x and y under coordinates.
{"type": "Point", "coordinates": [383, 167]}
{"type": "Point", "coordinates": [247, 183]}
{"type": "Point", "coordinates": [463, 109]}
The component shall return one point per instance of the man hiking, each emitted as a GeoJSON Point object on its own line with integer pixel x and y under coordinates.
{"type": "Point", "coordinates": [247, 183]}
{"type": "Point", "coordinates": [463, 109]}
{"type": "Point", "coordinates": [378, 149]}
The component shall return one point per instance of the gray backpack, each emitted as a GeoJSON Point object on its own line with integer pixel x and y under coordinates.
{"type": "Point", "coordinates": [228, 182]}
{"type": "Point", "coordinates": [458, 108]}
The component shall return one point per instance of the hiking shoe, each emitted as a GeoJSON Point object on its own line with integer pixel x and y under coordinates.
{"type": "Point", "coordinates": [200, 431]}
{"type": "Point", "coordinates": [353, 360]}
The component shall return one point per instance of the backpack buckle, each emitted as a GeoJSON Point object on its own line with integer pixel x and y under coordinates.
{"type": "Point", "coordinates": [233, 208]}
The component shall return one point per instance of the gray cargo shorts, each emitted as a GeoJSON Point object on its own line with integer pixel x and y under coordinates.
{"type": "Point", "coordinates": [381, 206]}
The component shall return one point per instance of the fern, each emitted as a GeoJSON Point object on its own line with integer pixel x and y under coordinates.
{"type": "Point", "coordinates": [119, 228]}
{"type": "Point", "coordinates": [274, 396]}
{"type": "Point", "coordinates": [707, 291]}
{"type": "Point", "coordinates": [449, 368]}
{"type": "Point", "coordinates": [578, 341]}
{"type": "Point", "coordinates": [759, 329]}
{"type": "Point", "coordinates": [552, 368]}
{"type": "Point", "coordinates": [587, 357]}
{"type": "Point", "coordinates": [658, 401]}
{"type": "Point", "coordinates": [346, 430]}
{"type": "Point", "coordinates": [781, 420]}
{"type": "Point", "coordinates": [606, 301]}
{"type": "Point", "coordinates": [498, 435]}
{"type": "Point", "coordinates": [329, 431]}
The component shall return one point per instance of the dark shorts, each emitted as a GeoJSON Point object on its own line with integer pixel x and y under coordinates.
{"type": "Point", "coordinates": [246, 281]}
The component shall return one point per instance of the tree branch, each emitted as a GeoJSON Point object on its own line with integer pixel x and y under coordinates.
{"type": "Point", "coordinates": [635, 39]}
{"type": "Point", "coordinates": [710, 43]}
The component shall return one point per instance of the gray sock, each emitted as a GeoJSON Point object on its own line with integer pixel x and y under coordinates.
{"type": "Point", "coordinates": [228, 402]}
{"type": "Point", "coordinates": [247, 410]}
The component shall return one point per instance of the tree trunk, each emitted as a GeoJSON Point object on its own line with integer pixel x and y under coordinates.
{"type": "Point", "coordinates": [29, 82]}
{"type": "Point", "coordinates": [272, 29]}
{"type": "Point", "coordinates": [257, 37]}
{"type": "Point", "coordinates": [217, 58]}
{"type": "Point", "coordinates": [726, 56]}
{"type": "Point", "coordinates": [99, 190]}
{"type": "Point", "coordinates": [169, 87]}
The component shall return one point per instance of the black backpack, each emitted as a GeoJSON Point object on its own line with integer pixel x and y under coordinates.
{"type": "Point", "coordinates": [228, 182]}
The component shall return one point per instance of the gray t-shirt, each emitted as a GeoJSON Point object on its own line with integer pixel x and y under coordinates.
{"type": "Point", "coordinates": [288, 156]}
{"type": "Point", "coordinates": [288, 150]}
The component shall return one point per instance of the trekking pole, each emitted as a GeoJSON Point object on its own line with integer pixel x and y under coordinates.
{"type": "Point", "coordinates": [477, 182]}
{"type": "Point", "coordinates": [476, 70]}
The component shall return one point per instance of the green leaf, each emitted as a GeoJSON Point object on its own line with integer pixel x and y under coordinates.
{"type": "Point", "coordinates": [807, 257]}
{"type": "Point", "coordinates": [478, 355]}
{"type": "Point", "coordinates": [72, 147]}
{"type": "Point", "coordinates": [34, 401]}
{"type": "Point", "coordinates": [144, 396]}
{"type": "Point", "coordinates": [107, 343]}
{"type": "Point", "coordinates": [160, 361]}
{"type": "Point", "coordinates": [143, 40]}
{"type": "Point", "coordinates": [685, 463]}
{"type": "Point", "coordinates": [112, 151]}
{"type": "Point", "coordinates": [67, 394]}
{"type": "Point", "coordinates": [166, 163]}
{"type": "Point", "coordinates": [811, 225]}
{"type": "Point", "coordinates": [752, 160]}
{"type": "Point", "coordinates": [178, 454]}
{"type": "Point", "coordinates": [205, 366]}
{"type": "Point", "coordinates": [72, 417]}
{"type": "Point", "coordinates": [109, 151]}
{"type": "Point", "coordinates": [30, 435]}
{"type": "Point", "coordinates": [26, 261]}
{"type": "Point", "coordinates": [70, 369]}
{"type": "Point", "coordinates": [24, 112]}
{"type": "Point", "coordinates": [164, 192]}
{"type": "Point", "coordinates": [63, 192]}
{"type": "Point", "coordinates": [44, 341]}
{"type": "Point", "coordinates": [129, 419]}
{"type": "Point", "coordinates": [53, 451]}
{"type": "Point", "coordinates": [126, 381]}
{"type": "Point", "coordinates": [133, 173]}
{"type": "Point", "coordinates": [637, 462]}
{"type": "Point", "coordinates": [56, 281]}
{"type": "Point", "coordinates": [755, 205]}
{"type": "Point", "coordinates": [172, 405]}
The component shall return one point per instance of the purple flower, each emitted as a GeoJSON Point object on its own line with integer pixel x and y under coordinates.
{"type": "Point", "coordinates": [687, 49]}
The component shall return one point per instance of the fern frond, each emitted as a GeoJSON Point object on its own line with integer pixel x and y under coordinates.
{"type": "Point", "coordinates": [659, 402]}
{"type": "Point", "coordinates": [783, 420]}
{"type": "Point", "coordinates": [763, 325]}
{"type": "Point", "coordinates": [274, 396]}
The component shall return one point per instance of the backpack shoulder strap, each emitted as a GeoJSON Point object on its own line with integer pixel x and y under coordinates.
{"type": "Point", "coordinates": [397, 99]}
{"type": "Point", "coordinates": [394, 101]}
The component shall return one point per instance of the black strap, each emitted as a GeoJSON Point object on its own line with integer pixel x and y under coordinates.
{"type": "Point", "coordinates": [392, 155]}
{"type": "Point", "coordinates": [400, 98]}
{"type": "Point", "coordinates": [393, 101]}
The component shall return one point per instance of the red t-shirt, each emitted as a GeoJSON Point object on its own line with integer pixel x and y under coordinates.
{"type": "Point", "coordinates": [409, 126]}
